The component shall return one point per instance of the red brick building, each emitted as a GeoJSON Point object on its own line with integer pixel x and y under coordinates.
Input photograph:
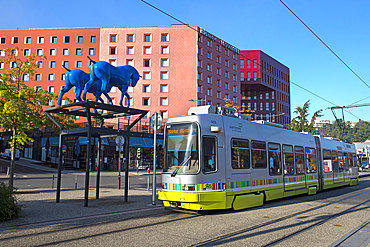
{"type": "Point", "coordinates": [265, 87]}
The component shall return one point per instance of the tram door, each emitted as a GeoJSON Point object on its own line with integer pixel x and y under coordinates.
{"type": "Point", "coordinates": [294, 168]}
{"type": "Point", "coordinates": [338, 167]}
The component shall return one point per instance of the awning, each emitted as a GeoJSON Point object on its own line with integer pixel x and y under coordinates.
{"type": "Point", "coordinates": [144, 142]}
{"type": "Point", "coordinates": [83, 141]}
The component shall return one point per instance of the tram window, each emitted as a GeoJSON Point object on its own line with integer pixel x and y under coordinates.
{"type": "Point", "coordinates": [299, 157]}
{"type": "Point", "coordinates": [274, 159]}
{"type": "Point", "coordinates": [259, 159]}
{"type": "Point", "coordinates": [334, 161]}
{"type": "Point", "coordinates": [352, 160]}
{"type": "Point", "coordinates": [311, 164]}
{"type": "Point", "coordinates": [346, 161]}
{"type": "Point", "coordinates": [209, 154]}
{"type": "Point", "coordinates": [240, 157]}
{"type": "Point", "coordinates": [340, 161]}
{"type": "Point", "coordinates": [327, 161]}
{"type": "Point", "coordinates": [288, 159]}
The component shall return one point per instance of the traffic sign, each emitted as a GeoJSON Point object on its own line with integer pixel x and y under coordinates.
{"type": "Point", "coordinates": [120, 140]}
{"type": "Point", "coordinates": [159, 120]}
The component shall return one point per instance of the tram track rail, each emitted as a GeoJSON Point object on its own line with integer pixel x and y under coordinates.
{"type": "Point", "coordinates": [222, 238]}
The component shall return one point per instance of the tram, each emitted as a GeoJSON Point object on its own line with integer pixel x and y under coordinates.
{"type": "Point", "coordinates": [218, 159]}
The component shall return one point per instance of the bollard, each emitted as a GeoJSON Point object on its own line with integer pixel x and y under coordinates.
{"type": "Point", "coordinates": [148, 182]}
{"type": "Point", "coordinates": [119, 181]}
{"type": "Point", "coordinates": [76, 182]}
{"type": "Point", "coordinates": [8, 171]}
{"type": "Point", "coordinates": [128, 186]}
{"type": "Point", "coordinates": [52, 183]}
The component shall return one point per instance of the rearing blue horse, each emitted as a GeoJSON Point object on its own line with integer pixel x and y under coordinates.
{"type": "Point", "coordinates": [78, 78]}
{"type": "Point", "coordinates": [121, 77]}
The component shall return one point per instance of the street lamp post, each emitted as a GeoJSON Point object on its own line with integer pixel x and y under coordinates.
{"type": "Point", "coordinates": [205, 100]}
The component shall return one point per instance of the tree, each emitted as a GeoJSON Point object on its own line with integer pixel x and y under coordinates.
{"type": "Point", "coordinates": [301, 123]}
{"type": "Point", "coordinates": [21, 106]}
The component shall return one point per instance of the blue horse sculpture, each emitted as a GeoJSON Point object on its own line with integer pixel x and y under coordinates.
{"type": "Point", "coordinates": [78, 78]}
{"type": "Point", "coordinates": [121, 77]}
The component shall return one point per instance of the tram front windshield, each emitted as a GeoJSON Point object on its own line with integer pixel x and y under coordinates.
{"type": "Point", "coordinates": [181, 149]}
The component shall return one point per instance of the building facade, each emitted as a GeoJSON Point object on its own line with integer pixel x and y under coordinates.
{"type": "Point", "coordinates": [181, 67]}
{"type": "Point", "coordinates": [265, 87]}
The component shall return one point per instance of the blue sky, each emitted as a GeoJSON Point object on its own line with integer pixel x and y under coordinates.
{"type": "Point", "coordinates": [265, 25]}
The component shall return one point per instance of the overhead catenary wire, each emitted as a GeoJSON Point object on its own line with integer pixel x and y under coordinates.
{"type": "Point", "coordinates": [327, 47]}
{"type": "Point", "coordinates": [165, 13]}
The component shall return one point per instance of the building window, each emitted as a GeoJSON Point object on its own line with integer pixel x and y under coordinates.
{"type": "Point", "coordinates": [165, 50]}
{"type": "Point", "coordinates": [27, 40]}
{"type": "Point", "coordinates": [2, 40]}
{"type": "Point", "coordinates": [113, 38]}
{"type": "Point", "coordinates": [147, 37]}
{"type": "Point", "coordinates": [209, 91]}
{"type": "Point", "coordinates": [147, 76]}
{"type": "Point", "coordinates": [51, 89]}
{"type": "Point", "coordinates": [1, 65]}
{"type": "Point", "coordinates": [66, 52]}
{"type": "Point", "coordinates": [92, 39]}
{"type": "Point", "coordinates": [165, 37]}
{"type": "Point", "coordinates": [267, 106]}
{"type": "Point", "coordinates": [164, 75]}
{"type": "Point", "coordinates": [78, 64]}
{"type": "Point", "coordinates": [209, 79]}
{"type": "Point", "coordinates": [272, 95]}
{"type": "Point", "coordinates": [164, 88]}
{"type": "Point", "coordinates": [199, 76]}
{"type": "Point", "coordinates": [234, 88]}
{"type": "Point", "coordinates": [146, 88]}
{"type": "Point", "coordinates": [164, 101]}
{"type": "Point", "coordinates": [218, 94]}
{"type": "Point", "coordinates": [26, 52]}
{"type": "Point", "coordinates": [146, 62]}
{"type": "Point", "coordinates": [79, 51]}
{"type": "Point", "coordinates": [273, 106]}
{"type": "Point", "coordinates": [218, 71]}
{"type": "Point", "coordinates": [234, 77]}
{"type": "Point", "coordinates": [79, 39]}
{"type": "Point", "coordinates": [26, 77]}
{"type": "Point", "coordinates": [165, 62]}
{"type": "Point", "coordinates": [130, 89]}
{"type": "Point", "coordinates": [199, 63]}
{"type": "Point", "coordinates": [242, 75]}
{"type": "Point", "coordinates": [242, 64]}
{"type": "Point", "coordinates": [39, 64]}
{"type": "Point", "coordinates": [209, 67]}
{"type": "Point", "coordinates": [255, 76]}
{"type": "Point", "coordinates": [227, 63]}
{"type": "Point", "coordinates": [15, 40]}
{"type": "Point", "coordinates": [53, 52]}
{"type": "Point", "coordinates": [209, 43]}
{"type": "Point", "coordinates": [234, 100]}
{"type": "Point", "coordinates": [52, 64]}
{"type": "Point", "coordinates": [146, 101]}
{"type": "Point", "coordinates": [130, 62]}
{"type": "Point", "coordinates": [209, 55]}
{"type": "Point", "coordinates": [40, 40]}
{"type": "Point", "coordinates": [112, 50]}
{"type": "Point", "coordinates": [267, 95]}
{"type": "Point", "coordinates": [40, 52]}
{"type": "Point", "coordinates": [53, 39]}
{"type": "Point", "coordinates": [130, 50]}
{"type": "Point", "coordinates": [130, 38]}
{"type": "Point", "coordinates": [226, 85]}
{"type": "Point", "coordinates": [91, 51]}
{"type": "Point", "coordinates": [65, 64]}
{"type": "Point", "coordinates": [164, 114]}
{"type": "Point", "coordinates": [254, 63]}
{"type": "Point", "coordinates": [63, 78]}
{"type": "Point", "coordinates": [227, 74]}
{"type": "Point", "coordinates": [226, 96]}
{"type": "Point", "coordinates": [51, 77]}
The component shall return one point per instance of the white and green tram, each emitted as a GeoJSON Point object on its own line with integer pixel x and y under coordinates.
{"type": "Point", "coordinates": [217, 159]}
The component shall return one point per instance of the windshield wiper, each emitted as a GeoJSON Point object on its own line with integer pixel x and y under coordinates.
{"type": "Point", "coordinates": [173, 174]}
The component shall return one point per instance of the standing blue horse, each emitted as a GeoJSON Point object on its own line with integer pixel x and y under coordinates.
{"type": "Point", "coordinates": [121, 77]}
{"type": "Point", "coordinates": [78, 78]}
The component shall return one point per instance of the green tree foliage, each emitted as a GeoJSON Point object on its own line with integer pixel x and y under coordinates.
{"type": "Point", "coordinates": [301, 123]}
{"type": "Point", "coordinates": [21, 106]}
{"type": "Point", "coordinates": [9, 207]}
{"type": "Point", "coordinates": [360, 132]}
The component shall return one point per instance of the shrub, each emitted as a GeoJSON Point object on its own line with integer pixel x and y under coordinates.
{"type": "Point", "coordinates": [9, 207]}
